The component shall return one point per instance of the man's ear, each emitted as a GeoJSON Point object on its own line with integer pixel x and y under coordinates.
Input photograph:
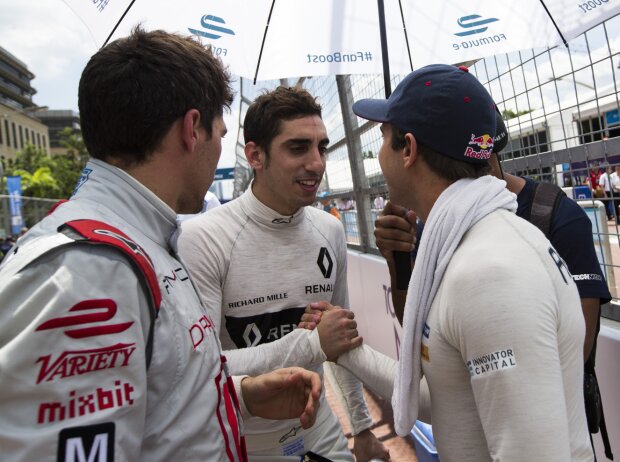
{"type": "Point", "coordinates": [190, 129]}
{"type": "Point", "coordinates": [410, 151]}
{"type": "Point", "coordinates": [255, 155]}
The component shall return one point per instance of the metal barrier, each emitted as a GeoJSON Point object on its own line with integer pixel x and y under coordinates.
{"type": "Point", "coordinates": [33, 210]}
{"type": "Point", "coordinates": [562, 112]}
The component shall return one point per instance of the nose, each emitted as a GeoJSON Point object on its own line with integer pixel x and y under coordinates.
{"type": "Point", "coordinates": [316, 161]}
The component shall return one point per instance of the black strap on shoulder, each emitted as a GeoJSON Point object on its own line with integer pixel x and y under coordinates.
{"type": "Point", "coordinates": [99, 233]}
{"type": "Point", "coordinates": [547, 198]}
{"type": "Point", "coordinates": [605, 436]}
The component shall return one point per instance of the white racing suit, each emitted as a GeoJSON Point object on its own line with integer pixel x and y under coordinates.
{"type": "Point", "coordinates": [74, 329]}
{"type": "Point", "coordinates": [258, 270]}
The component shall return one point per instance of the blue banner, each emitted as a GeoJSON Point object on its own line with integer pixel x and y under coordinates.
{"type": "Point", "coordinates": [224, 174]}
{"type": "Point", "coordinates": [612, 117]}
{"type": "Point", "coordinates": [14, 187]}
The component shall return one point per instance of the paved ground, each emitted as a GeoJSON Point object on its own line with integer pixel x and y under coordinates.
{"type": "Point", "coordinates": [401, 449]}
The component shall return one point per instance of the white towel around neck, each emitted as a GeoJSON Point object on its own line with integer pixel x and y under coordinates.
{"type": "Point", "coordinates": [456, 210]}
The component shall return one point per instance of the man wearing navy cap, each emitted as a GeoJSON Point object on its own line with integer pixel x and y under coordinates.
{"type": "Point", "coordinates": [492, 318]}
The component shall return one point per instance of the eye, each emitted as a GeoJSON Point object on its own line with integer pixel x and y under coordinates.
{"type": "Point", "coordinates": [299, 149]}
{"type": "Point", "coordinates": [323, 150]}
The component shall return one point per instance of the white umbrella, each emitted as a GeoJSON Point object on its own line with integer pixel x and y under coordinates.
{"type": "Point", "coordinates": [331, 37]}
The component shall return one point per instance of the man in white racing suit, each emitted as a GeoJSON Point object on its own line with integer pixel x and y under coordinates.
{"type": "Point", "coordinates": [261, 259]}
{"type": "Point", "coordinates": [493, 320]}
{"type": "Point", "coordinates": [106, 352]}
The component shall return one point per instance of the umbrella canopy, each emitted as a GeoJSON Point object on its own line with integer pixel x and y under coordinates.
{"type": "Point", "coordinates": [327, 37]}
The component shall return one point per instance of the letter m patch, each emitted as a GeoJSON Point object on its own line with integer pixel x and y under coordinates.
{"type": "Point", "coordinates": [92, 443]}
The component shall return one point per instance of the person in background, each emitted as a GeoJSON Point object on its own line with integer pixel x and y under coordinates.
{"type": "Point", "coordinates": [592, 180]}
{"type": "Point", "coordinates": [379, 202]}
{"type": "Point", "coordinates": [328, 206]}
{"type": "Point", "coordinates": [615, 187]}
{"type": "Point", "coordinates": [106, 351]}
{"type": "Point", "coordinates": [6, 245]}
{"type": "Point", "coordinates": [262, 258]}
{"type": "Point", "coordinates": [604, 182]}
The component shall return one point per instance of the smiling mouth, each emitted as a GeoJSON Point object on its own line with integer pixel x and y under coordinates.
{"type": "Point", "coordinates": [309, 185]}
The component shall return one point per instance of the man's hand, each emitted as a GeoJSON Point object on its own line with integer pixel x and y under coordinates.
{"type": "Point", "coordinates": [366, 447]}
{"type": "Point", "coordinates": [395, 230]}
{"type": "Point", "coordinates": [312, 315]}
{"type": "Point", "coordinates": [337, 331]}
{"type": "Point", "coordinates": [283, 394]}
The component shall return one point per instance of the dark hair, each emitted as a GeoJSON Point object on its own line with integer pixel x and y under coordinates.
{"type": "Point", "coordinates": [263, 118]}
{"type": "Point", "coordinates": [444, 166]}
{"type": "Point", "coordinates": [135, 88]}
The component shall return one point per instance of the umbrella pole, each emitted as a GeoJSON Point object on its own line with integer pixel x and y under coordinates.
{"type": "Point", "coordinates": [262, 45]}
{"type": "Point", "coordinates": [117, 23]}
{"type": "Point", "coordinates": [402, 260]}
{"type": "Point", "coordinates": [384, 50]}
{"type": "Point", "coordinates": [554, 23]}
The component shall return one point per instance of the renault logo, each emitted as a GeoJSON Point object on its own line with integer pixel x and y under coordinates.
{"type": "Point", "coordinates": [325, 263]}
{"type": "Point", "coordinates": [215, 25]}
{"type": "Point", "coordinates": [252, 335]}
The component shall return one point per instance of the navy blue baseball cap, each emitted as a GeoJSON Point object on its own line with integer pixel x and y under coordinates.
{"type": "Point", "coordinates": [444, 107]}
{"type": "Point", "coordinates": [501, 134]}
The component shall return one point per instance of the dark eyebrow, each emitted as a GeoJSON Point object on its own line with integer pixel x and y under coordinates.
{"type": "Point", "coordinates": [323, 142]}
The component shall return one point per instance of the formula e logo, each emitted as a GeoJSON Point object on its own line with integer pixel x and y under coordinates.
{"type": "Point", "coordinates": [471, 21]}
{"type": "Point", "coordinates": [325, 263]}
{"type": "Point", "coordinates": [213, 24]}
{"type": "Point", "coordinates": [98, 311]}
{"type": "Point", "coordinates": [89, 443]}
{"type": "Point", "coordinates": [252, 335]}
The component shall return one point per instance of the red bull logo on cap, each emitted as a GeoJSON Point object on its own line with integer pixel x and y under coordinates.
{"type": "Point", "coordinates": [480, 147]}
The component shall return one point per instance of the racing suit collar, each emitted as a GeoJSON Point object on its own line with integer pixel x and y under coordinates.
{"type": "Point", "coordinates": [260, 213]}
{"type": "Point", "coordinates": [128, 198]}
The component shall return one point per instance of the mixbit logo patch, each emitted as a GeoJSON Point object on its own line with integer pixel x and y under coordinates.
{"type": "Point", "coordinates": [325, 262]}
{"type": "Point", "coordinates": [81, 404]}
{"type": "Point", "coordinates": [472, 23]}
{"type": "Point", "coordinates": [214, 26]}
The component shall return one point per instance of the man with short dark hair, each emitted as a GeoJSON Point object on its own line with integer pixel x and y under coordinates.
{"type": "Point", "coordinates": [492, 319]}
{"type": "Point", "coordinates": [106, 352]}
{"type": "Point", "coordinates": [567, 227]}
{"type": "Point", "coordinates": [262, 258]}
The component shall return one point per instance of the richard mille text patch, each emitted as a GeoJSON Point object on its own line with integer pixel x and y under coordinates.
{"type": "Point", "coordinates": [492, 362]}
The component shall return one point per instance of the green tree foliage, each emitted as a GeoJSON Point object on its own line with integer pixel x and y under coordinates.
{"type": "Point", "coordinates": [368, 155]}
{"type": "Point", "coordinates": [47, 176]}
{"type": "Point", "coordinates": [510, 114]}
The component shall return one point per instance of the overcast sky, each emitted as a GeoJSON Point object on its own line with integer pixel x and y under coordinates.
{"type": "Point", "coordinates": [55, 45]}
